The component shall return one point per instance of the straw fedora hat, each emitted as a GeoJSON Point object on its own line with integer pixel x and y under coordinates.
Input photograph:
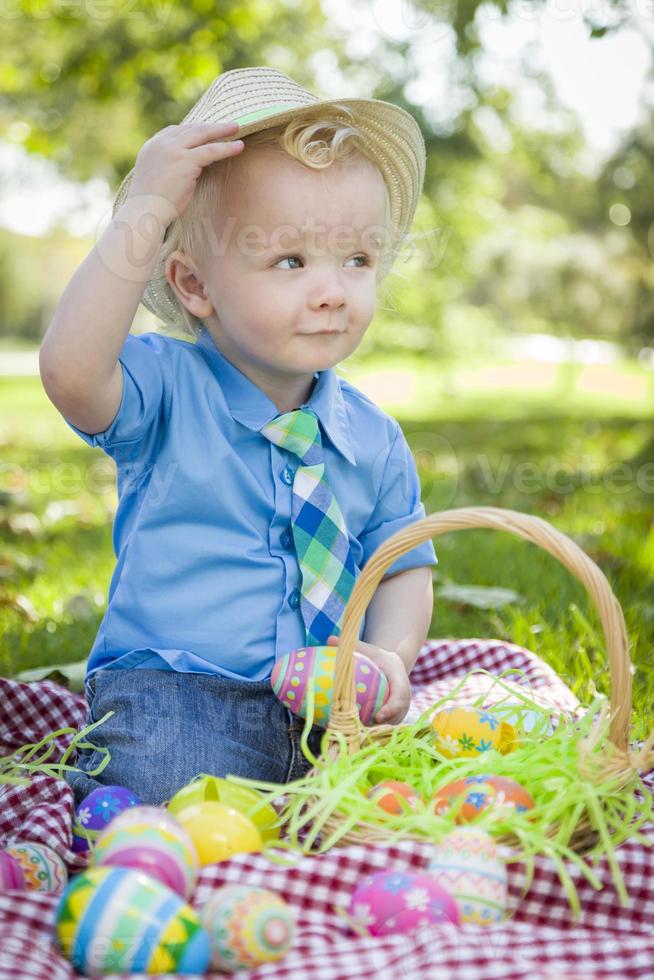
{"type": "Point", "coordinates": [260, 98]}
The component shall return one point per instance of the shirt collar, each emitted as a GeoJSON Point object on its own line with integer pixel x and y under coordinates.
{"type": "Point", "coordinates": [250, 406]}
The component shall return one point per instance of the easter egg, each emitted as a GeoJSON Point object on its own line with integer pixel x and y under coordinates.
{"type": "Point", "coordinates": [96, 811]}
{"type": "Point", "coordinates": [115, 920]}
{"type": "Point", "coordinates": [247, 926]}
{"type": "Point", "coordinates": [474, 794]}
{"type": "Point", "coordinates": [219, 831]}
{"type": "Point", "coordinates": [467, 732]}
{"type": "Point", "coordinates": [394, 796]}
{"type": "Point", "coordinates": [11, 874]}
{"type": "Point", "coordinates": [466, 865]}
{"type": "Point", "coordinates": [43, 869]}
{"type": "Point", "coordinates": [313, 668]}
{"type": "Point", "coordinates": [149, 839]}
{"type": "Point", "coordinates": [242, 798]}
{"type": "Point", "coordinates": [400, 901]}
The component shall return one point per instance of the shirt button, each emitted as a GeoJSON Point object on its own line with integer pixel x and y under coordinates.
{"type": "Point", "coordinates": [287, 539]}
{"type": "Point", "coordinates": [287, 475]}
{"type": "Point", "coordinates": [294, 599]}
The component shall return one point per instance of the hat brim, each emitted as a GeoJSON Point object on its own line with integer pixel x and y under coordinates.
{"type": "Point", "coordinates": [392, 139]}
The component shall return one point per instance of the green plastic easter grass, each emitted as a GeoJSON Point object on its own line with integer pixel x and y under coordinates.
{"type": "Point", "coordinates": [562, 771]}
{"type": "Point", "coordinates": [34, 757]}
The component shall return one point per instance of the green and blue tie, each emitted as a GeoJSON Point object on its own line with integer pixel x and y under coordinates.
{"type": "Point", "coordinates": [319, 529]}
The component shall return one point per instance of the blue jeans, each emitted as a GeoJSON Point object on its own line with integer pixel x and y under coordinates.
{"type": "Point", "coordinates": [169, 726]}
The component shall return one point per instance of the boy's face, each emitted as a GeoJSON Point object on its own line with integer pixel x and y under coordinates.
{"type": "Point", "coordinates": [288, 285]}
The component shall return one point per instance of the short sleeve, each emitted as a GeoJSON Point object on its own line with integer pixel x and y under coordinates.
{"type": "Point", "coordinates": [140, 411]}
{"type": "Point", "coordinates": [398, 506]}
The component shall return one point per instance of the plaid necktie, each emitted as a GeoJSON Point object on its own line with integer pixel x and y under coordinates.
{"type": "Point", "coordinates": [318, 526]}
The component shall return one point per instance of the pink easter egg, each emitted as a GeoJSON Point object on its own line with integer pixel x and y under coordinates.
{"type": "Point", "coordinates": [43, 869]}
{"type": "Point", "coordinates": [400, 901]}
{"type": "Point", "coordinates": [11, 874]}
{"type": "Point", "coordinates": [313, 667]}
{"type": "Point", "coordinates": [149, 839]}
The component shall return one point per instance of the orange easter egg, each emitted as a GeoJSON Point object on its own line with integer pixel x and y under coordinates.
{"type": "Point", "coordinates": [472, 795]}
{"type": "Point", "coordinates": [389, 795]}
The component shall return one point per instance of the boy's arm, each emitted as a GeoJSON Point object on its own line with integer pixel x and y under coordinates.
{"type": "Point", "coordinates": [397, 624]}
{"type": "Point", "coordinates": [78, 359]}
{"type": "Point", "coordinates": [79, 355]}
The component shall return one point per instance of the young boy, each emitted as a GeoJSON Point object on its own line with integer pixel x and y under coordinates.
{"type": "Point", "coordinates": [269, 251]}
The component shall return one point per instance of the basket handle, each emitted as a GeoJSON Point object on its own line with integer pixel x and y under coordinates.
{"type": "Point", "coordinates": [344, 717]}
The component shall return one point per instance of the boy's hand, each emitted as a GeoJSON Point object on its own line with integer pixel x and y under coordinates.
{"type": "Point", "coordinates": [391, 663]}
{"type": "Point", "coordinates": [169, 164]}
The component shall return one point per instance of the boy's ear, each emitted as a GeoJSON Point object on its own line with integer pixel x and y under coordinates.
{"type": "Point", "coordinates": [185, 280]}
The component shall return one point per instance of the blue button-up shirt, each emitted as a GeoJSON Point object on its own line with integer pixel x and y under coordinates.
{"type": "Point", "coordinates": [206, 578]}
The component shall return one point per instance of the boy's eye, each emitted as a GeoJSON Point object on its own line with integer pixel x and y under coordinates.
{"type": "Point", "coordinates": [289, 258]}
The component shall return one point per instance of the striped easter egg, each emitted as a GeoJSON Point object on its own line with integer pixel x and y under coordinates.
{"type": "Point", "coordinates": [312, 668]}
{"type": "Point", "coordinates": [115, 920]}
{"type": "Point", "coordinates": [43, 869]}
{"type": "Point", "coordinates": [149, 839]}
{"type": "Point", "coordinates": [466, 865]}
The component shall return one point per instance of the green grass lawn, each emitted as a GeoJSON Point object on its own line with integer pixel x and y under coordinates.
{"type": "Point", "coordinates": [585, 463]}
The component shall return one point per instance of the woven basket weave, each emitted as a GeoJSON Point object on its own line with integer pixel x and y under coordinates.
{"type": "Point", "coordinates": [619, 761]}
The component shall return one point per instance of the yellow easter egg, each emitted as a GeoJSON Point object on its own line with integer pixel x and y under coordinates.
{"type": "Point", "coordinates": [218, 831]}
{"type": "Point", "coordinates": [468, 732]}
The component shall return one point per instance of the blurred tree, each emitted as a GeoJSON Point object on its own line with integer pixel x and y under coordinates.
{"type": "Point", "coordinates": [515, 235]}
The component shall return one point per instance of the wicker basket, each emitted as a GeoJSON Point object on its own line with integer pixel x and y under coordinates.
{"type": "Point", "coordinates": [619, 761]}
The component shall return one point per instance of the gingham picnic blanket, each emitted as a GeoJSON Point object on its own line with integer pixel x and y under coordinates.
{"type": "Point", "coordinates": [538, 940]}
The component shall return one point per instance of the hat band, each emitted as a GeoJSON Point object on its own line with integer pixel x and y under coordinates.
{"type": "Point", "coordinates": [262, 113]}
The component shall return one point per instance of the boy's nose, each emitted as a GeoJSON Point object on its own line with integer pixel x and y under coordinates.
{"type": "Point", "coordinates": [328, 294]}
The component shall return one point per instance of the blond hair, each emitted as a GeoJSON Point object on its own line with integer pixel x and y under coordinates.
{"type": "Point", "coordinates": [317, 138]}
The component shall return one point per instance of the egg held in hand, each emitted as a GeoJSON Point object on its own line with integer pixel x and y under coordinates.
{"type": "Point", "coordinates": [313, 668]}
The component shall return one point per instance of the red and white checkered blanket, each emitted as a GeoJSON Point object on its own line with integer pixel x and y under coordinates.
{"type": "Point", "coordinates": [539, 939]}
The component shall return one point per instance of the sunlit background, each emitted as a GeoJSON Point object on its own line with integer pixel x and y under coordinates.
{"type": "Point", "coordinates": [517, 345]}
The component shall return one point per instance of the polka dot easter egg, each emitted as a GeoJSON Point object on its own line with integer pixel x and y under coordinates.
{"type": "Point", "coordinates": [466, 865]}
{"type": "Point", "coordinates": [11, 874]}
{"type": "Point", "coordinates": [43, 870]}
{"type": "Point", "coordinates": [247, 926]}
{"type": "Point", "coordinates": [474, 794]}
{"type": "Point", "coordinates": [398, 902]}
{"type": "Point", "coordinates": [148, 839]}
{"type": "Point", "coordinates": [313, 668]}
{"type": "Point", "coordinates": [96, 811]}
{"type": "Point", "coordinates": [467, 732]}
{"type": "Point", "coordinates": [394, 796]}
{"type": "Point", "coordinates": [115, 920]}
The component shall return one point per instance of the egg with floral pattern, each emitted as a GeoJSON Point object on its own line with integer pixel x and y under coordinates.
{"type": "Point", "coordinates": [399, 902]}
{"type": "Point", "coordinates": [96, 811]}
{"type": "Point", "coordinates": [466, 865]}
{"type": "Point", "coordinates": [43, 869]}
{"type": "Point", "coordinates": [473, 795]}
{"type": "Point", "coordinates": [468, 732]}
{"type": "Point", "coordinates": [247, 926]}
{"type": "Point", "coordinates": [312, 669]}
